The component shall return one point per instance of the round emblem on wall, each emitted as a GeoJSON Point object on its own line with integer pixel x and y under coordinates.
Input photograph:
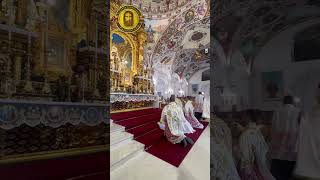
{"type": "Point", "coordinates": [130, 19]}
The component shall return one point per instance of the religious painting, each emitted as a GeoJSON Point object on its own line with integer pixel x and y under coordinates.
{"type": "Point", "coordinates": [189, 16]}
{"type": "Point", "coordinates": [307, 44]}
{"type": "Point", "coordinates": [272, 85]}
{"type": "Point", "coordinates": [129, 19]}
{"type": "Point", "coordinates": [195, 88]}
{"type": "Point", "coordinates": [154, 29]}
{"type": "Point", "coordinates": [124, 51]}
{"type": "Point", "coordinates": [224, 30]}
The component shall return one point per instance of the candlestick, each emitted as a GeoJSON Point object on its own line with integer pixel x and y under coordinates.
{"type": "Point", "coordinates": [28, 86]}
{"type": "Point", "coordinates": [46, 87]}
{"type": "Point", "coordinates": [96, 91]}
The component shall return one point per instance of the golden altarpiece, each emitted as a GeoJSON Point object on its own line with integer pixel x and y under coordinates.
{"type": "Point", "coordinates": [130, 79]}
{"type": "Point", "coordinates": [54, 80]}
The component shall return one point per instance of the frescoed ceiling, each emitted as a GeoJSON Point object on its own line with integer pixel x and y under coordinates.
{"type": "Point", "coordinates": [247, 25]}
{"type": "Point", "coordinates": [184, 43]}
{"type": "Point", "coordinates": [162, 9]}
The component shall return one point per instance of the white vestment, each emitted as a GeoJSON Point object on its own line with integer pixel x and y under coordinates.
{"type": "Point", "coordinates": [253, 150]}
{"type": "Point", "coordinates": [199, 103]}
{"type": "Point", "coordinates": [285, 128]}
{"type": "Point", "coordinates": [223, 166]}
{"type": "Point", "coordinates": [172, 123]}
{"type": "Point", "coordinates": [189, 114]}
{"type": "Point", "coordinates": [179, 102]}
{"type": "Point", "coordinates": [206, 108]}
{"type": "Point", "coordinates": [308, 160]}
{"type": "Point", "coordinates": [185, 125]}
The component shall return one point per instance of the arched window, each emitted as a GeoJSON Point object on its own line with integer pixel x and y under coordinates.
{"type": "Point", "coordinates": [307, 44]}
{"type": "Point", "coordinates": [206, 75]}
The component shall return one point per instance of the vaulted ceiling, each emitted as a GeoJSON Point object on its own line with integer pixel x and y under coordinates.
{"type": "Point", "coordinates": [162, 9]}
{"type": "Point", "coordinates": [183, 45]}
{"type": "Point", "coordinates": [247, 25]}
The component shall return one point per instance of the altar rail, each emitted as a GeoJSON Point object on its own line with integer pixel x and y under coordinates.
{"type": "Point", "coordinates": [124, 102]}
{"type": "Point", "coordinates": [44, 130]}
{"type": "Point", "coordinates": [123, 97]}
{"type": "Point", "coordinates": [53, 114]}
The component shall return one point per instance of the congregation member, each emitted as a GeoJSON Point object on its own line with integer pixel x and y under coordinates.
{"type": "Point", "coordinates": [308, 158]}
{"type": "Point", "coordinates": [199, 106]}
{"type": "Point", "coordinates": [284, 136]}
{"type": "Point", "coordinates": [253, 151]}
{"type": "Point", "coordinates": [189, 113]}
{"type": "Point", "coordinates": [173, 124]}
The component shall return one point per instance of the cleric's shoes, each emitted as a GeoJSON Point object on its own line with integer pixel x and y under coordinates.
{"type": "Point", "coordinates": [189, 140]}
{"type": "Point", "coordinates": [184, 142]}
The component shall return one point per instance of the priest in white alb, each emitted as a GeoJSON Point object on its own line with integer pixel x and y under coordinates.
{"type": "Point", "coordinates": [284, 134]}
{"type": "Point", "coordinates": [190, 115]}
{"type": "Point", "coordinates": [308, 160]}
{"type": "Point", "coordinates": [198, 109]}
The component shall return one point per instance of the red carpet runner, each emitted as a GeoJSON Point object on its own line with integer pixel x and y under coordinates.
{"type": "Point", "coordinates": [143, 125]}
{"type": "Point", "coordinates": [174, 154]}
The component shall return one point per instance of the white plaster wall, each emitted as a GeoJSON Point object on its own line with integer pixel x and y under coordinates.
{"type": "Point", "coordinates": [300, 78]}
{"type": "Point", "coordinates": [235, 76]}
{"type": "Point", "coordinates": [204, 86]}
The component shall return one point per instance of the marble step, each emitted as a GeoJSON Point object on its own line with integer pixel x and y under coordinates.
{"type": "Point", "coordinates": [123, 152]}
{"type": "Point", "coordinates": [116, 128]}
{"type": "Point", "coordinates": [122, 137]}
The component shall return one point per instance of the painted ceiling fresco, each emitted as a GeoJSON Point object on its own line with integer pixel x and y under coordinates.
{"type": "Point", "coordinates": [247, 25]}
{"type": "Point", "coordinates": [162, 9]}
{"type": "Point", "coordinates": [184, 42]}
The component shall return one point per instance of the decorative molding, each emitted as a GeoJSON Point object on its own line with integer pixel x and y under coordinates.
{"type": "Point", "coordinates": [15, 113]}
{"type": "Point", "coordinates": [122, 97]}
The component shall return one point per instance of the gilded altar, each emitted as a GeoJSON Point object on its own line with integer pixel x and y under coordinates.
{"type": "Point", "coordinates": [54, 52]}
{"type": "Point", "coordinates": [54, 78]}
{"type": "Point", "coordinates": [129, 73]}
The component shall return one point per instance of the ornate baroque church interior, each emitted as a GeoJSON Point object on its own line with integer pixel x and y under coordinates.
{"type": "Point", "coordinates": [120, 89]}
{"type": "Point", "coordinates": [168, 55]}
{"type": "Point", "coordinates": [266, 89]}
{"type": "Point", "coordinates": [54, 89]}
